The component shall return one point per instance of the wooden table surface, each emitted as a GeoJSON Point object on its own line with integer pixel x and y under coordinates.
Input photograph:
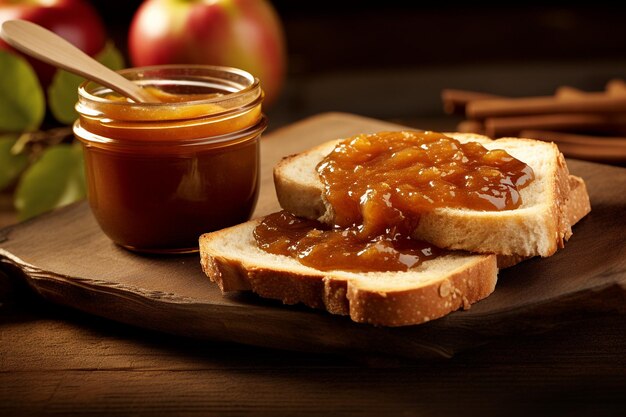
{"type": "Point", "coordinates": [57, 361]}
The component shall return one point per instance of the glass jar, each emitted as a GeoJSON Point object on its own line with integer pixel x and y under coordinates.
{"type": "Point", "coordinates": [161, 174]}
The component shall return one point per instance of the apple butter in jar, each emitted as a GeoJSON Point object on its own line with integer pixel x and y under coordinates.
{"type": "Point", "coordinates": [161, 174]}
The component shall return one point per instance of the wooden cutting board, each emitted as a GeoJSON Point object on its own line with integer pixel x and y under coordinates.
{"type": "Point", "coordinates": [66, 259]}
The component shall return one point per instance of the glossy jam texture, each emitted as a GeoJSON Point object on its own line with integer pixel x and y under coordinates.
{"type": "Point", "coordinates": [186, 118]}
{"type": "Point", "coordinates": [158, 179]}
{"type": "Point", "coordinates": [162, 201]}
{"type": "Point", "coordinates": [319, 246]}
{"type": "Point", "coordinates": [379, 185]}
{"type": "Point", "coordinates": [389, 178]}
{"type": "Point", "coordinates": [166, 97]}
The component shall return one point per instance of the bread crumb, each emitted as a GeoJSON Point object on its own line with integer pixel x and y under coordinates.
{"type": "Point", "coordinates": [445, 289]}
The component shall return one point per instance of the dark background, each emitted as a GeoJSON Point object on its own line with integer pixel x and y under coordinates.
{"type": "Point", "coordinates": [391, 59]}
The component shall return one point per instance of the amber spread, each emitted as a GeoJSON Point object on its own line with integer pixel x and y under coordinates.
{"type": "Point", "coordinates": [385, 178]}
{"type": "Point", "coordinates": [185, 119]}
{"type": "Point", "coordinates": [158, 179]}
{"type": "Point", "coordinates": [166, 97]}
{"type": "Point", "coordinates": [380, 184]}
{"type": "Point", "coordinates": [317, 245]}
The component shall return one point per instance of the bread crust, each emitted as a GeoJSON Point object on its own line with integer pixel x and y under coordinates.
{"type": "Point", "coordinates": [458, 290]}
{"type": "Point", "coordinates": [472, 281]}
{"type": "Point", "coordinates": [577, 206]}
{"type": "Point", "coordinates": [291, 193]}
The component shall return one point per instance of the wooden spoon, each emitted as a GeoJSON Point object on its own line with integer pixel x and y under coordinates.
{"type": "Point", "coordinates": [46, 46]}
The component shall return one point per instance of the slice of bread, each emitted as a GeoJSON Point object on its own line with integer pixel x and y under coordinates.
{"type": "Point", "coordinates": [231, 258]}
{"type": "Point", "coordinates": [538, 227]}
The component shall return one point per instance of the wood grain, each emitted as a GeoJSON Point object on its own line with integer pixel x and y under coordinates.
{"type": "Point", "coordinates": [58, 362]}
{"type": "Point", "coordinates": [66, 259]}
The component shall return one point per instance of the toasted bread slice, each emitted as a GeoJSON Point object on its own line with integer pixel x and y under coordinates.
{"type": "Point", "coordinates": [231, 258]}
{"type": "Point", "coordinates": [538, 227]}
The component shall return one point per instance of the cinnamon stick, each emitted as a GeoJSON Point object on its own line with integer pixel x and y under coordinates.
{"type": "Point", "coordinates": [566, 91]}
{"type": "Point", "coordinates": [471, 126]}
{"type": "Point", "coordinates": [455, 101]}
{"type": "Point", "coordinates": [603, 103]}
{"type": "Point", "coordinates": [561, 137]}
{"type": "Point", "coordinates": [616, 87]}
{"type": "Point", "coordinates": [511, 126]}
{"type": "Point", "coordinates": [593, 148]}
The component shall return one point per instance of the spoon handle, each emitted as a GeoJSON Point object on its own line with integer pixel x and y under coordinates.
{"type": "Point", "coordinates": [47, 46]}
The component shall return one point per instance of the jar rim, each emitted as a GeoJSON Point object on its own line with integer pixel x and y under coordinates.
{"type": "Point", "coordinates": [226, 139]}
{"type": "Point", "coordinates": [253, 84]}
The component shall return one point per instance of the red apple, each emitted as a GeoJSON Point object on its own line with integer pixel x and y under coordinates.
{"type": "Point", "coordinates": [246, 34]}
{"type": "Point", "coordinates": [75, 20]}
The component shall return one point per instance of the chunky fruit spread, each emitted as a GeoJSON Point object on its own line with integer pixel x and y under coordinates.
{"type": "Point", "coordinates": [379, 185]}
{"type": "Point", "coordinates": [161, 174]}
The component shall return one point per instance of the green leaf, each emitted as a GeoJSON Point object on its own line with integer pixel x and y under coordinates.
{"type": "Point", "coordinates": [111, 57]}
{"type": "Point", "coordinates": [63, 91]}
{"type": "Point", "coordinates": [62, 96]}
{"type": "Point", "coordinates": [11, 165]}
{"type": "Point", "coordinates": [22, 104]}
{"type": "Point", "coordinates": [56, 179]}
